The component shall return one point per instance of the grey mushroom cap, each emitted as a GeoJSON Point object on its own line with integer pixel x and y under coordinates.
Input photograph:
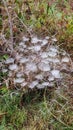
{"type": "Point", "coordinates": [37, 63]}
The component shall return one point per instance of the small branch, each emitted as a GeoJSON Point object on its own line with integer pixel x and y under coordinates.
{"type": "Point", "coordinates": [24, 25]}
{"type": "Point", "coordinates": [4, 52]}
{"type": "Point", "coordinates": [10, 23]}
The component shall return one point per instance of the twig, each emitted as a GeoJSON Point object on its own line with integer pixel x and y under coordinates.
{"type": "Point", "coordinates": [10, 23]}
{"type": "Point", "coordinates": [24, 25]}
{"type": "Point", "coordinates": [4, 52]}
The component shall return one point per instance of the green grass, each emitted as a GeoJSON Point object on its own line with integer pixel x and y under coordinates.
{"type": "Point", "coordinates": [38, 113]}
{"type": "Point", "coordinates": [44, 17]}
{"type": "Point", "coordinates": [51, 110]}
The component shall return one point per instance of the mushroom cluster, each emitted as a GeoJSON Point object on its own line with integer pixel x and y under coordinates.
{"type": "Point", "coordinates": [37, 63]}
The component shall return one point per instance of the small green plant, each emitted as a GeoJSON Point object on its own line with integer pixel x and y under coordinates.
{"type": "Point", "coordinates": [11, 113]}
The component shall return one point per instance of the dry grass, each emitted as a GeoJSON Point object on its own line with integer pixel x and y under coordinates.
{"type": "Point", "coordinates": [52, 109]}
